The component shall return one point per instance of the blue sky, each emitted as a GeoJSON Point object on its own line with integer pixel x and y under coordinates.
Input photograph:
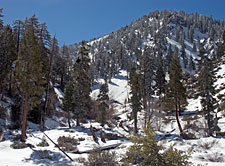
{"type": "Point", "coordinates": [76, 20]}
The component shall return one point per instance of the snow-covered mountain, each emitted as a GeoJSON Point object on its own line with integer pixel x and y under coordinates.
{"type": "Point", "coordinates": [111, 56]}
{"type": "Point", "coordinates": [157, 31]}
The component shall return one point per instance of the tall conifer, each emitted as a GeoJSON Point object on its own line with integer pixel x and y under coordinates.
{"type": "Point", "coordinates": [136, 104]}
{"type": "Point", "coordinates": [207, 90]}
{"type": "Point", "coordinates": [175, 91]}
{"type": "Point", "coordinates": [29, 74]}
{"type": "Point", "coordinates": [82, 83]}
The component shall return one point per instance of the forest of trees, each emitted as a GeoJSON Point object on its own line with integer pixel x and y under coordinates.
{"type": "Point", "coordinates": [33, 64]}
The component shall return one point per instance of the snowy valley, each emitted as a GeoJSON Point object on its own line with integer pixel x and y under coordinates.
{"type": "Point", "coordinates": [112, 58]}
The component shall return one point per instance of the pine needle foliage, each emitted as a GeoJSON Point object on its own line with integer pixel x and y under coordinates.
{"type": "Point", "coordinates": [146, 151]}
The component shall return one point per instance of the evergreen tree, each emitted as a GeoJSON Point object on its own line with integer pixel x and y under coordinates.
{"type": "Point", "coordinates": [7, 55]}
{"type": "Point", "coordinates": [148, 69]}
{"type": "Point", "coordinates": [175, 91]}
{"type": "Point", "coordinates": [160, 80]}
{"type": "Point", "coordinates": [1, 21]}
{"type": "Point", "coordinates": [147, 152]}
{"type": "Point", "coordinates": [18, 29]}
{"type": "Point", "coordinates": [136, 105]}
{"type": "Point", "coordinates": [29, 74]}
{"type": "Point", "coordinates": [66, 64]}
{"type": "Point", "coordinates": [191, 64]}
{"type": "Point", "coordinates": [68, 100]}
{"type": "Point", "coordinates": [207, 90]}
{"type": "Point", "coordinates": [160, 76]}
{"type": "Point", "coordinates": [82, 83]}
{"type": "Point", "coordinates": [103, 99]}
{"type": "Point", "coordinates": [168, 57]}
{"type": "Point", "coordinates": [184, 56]}
{"type": "Point", "coordinates": [194, 47]}
{"type": "Point", "coordinates": [53, 51]}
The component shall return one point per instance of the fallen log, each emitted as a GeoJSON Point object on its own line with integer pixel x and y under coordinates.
{"type": "Point", "coordinates": [109, 147]}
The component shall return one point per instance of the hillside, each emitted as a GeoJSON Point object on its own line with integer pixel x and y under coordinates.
{"type": "Point", "coordinates": [113, 58]}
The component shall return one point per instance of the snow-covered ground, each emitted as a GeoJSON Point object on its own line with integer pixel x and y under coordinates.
{"type": "Point", "coordinates": [119, 91]}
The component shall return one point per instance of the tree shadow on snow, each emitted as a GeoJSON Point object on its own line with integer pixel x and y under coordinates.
{"type": "Point", "coordinates": [55, 158]}
{"type": "Point", "coordinates": [121, 77]}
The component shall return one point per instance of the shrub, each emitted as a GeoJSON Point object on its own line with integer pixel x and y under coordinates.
{"type": "Point", "coordinates": [80, 160]}
{"type": "Point", "coordinates": [18, 145]}
{"type": "Point", "coordinates": [101, 158]}
{"type": "Point", "coordinates": [68, 143]}
{"type": "Point", "coordinates": [147, 152]}
{"type": "Point", "coordinates": [43, 143]}
{"type": "Point", "coordinates": [188, 136]}
{"type": "Point", "coordinates": [215, 157]}
{"type": "Point", "coordinates": [207, 145]}
{"type": "Point", "coordinates": [174, 157]}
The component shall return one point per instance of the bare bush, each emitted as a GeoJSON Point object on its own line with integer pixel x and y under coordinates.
{"type": "Point", "coordinates": [101, 158]}
{"type": "Point", "coordinates": [207, 145]}
{"type": "Point", "coordinates": [19, 145]}
{"type": "Point", "coordinates": [214, 157]}
{"type": "Point", "coordinates": [68, 143]}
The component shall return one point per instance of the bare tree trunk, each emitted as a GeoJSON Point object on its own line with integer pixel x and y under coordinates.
{"type": "Point", "coordinates": [178, 122]}
{"type": "Point", "coordinates": [93, 134]}
{"type": "Point", "coordinates": [24, 119]}
{"type": "Point", "coordinates": [69, 119]}
{"type": "Point", "coordinates": [209, 124]}
{"type": "Point", "coordinates": [145, 110]}
{"type": "Point", "coordinates": [78, 121]}
{"type": "Point", "coordinates": [179, 107]}
{"type": "Point", "coordinates": [62, 80]}
{"type": "Point", "coordinates": [135, 123]}
{"type": "Point", "coordinates": [102, 136]}
{"type": "Point", "coordinates": [43, 114]}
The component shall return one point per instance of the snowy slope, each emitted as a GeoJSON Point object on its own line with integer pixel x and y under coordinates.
{"type": "Point", "coordinates": [119, 91]}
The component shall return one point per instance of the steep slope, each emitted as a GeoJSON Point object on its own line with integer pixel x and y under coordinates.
{"type": "Point", "coordinates": [158, 30]}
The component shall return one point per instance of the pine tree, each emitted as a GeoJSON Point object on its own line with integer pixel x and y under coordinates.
{"type": "Point", "coordinates": [175, 91]}
{"type": "Point", "coordinates": [184, 56]}
{"type": "Point", "coordinates": [1, 21]}
{"type": "Point", "coordinates": [7, 54]}
{"type": "Point", "coordinates": [82, 83]}
{"type": "Point", "coordinates": [191, 64]}
{"type": "Point", "coordinates": [18, 29]}
{"type": "Point", "coordinates": [168, 57]}
{"type": "Point", "coordinates": [103, 99]}
{"type": "Point", "coordinates": [29, 74]}
{"type": "Point", "coordinates": [207, 90]}
{"type": "Point", "coordinates": [136, 105]}
{"type": "Point", "coordinates": [66, 64]}
{"type": "Point", "coordinates": [53, 51]}
{"type": "Point", "coordinates": [160, 76]}
{"type": "Point", "coordinates": [160, 80]}
{"type": "Point", "coordinates": [146, 151]}
{"type": "Point", "coordinates": [68, 100]}
{"type": "Point", "coordinates": [148, 69]}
